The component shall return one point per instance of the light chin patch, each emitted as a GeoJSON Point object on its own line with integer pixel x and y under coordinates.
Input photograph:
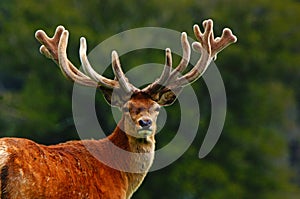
{"type": "Point", "coordinates": [144, 133]}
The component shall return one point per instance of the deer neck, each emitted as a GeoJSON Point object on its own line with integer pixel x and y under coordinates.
{"type": "Point", "coordinates": [136, 152]}
{"type": "Point", "coordinates": [141, 163]}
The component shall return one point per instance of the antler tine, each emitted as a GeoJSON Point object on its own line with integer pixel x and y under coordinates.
{"type": "Point", "coordinates": [206, 37]}
{"type": "Point", "coordinates": [123, 81]}
{"type": "Point", "coordinates": [186, 54]}
{"type": "Point", "coordinates": [88, 69]}
{"type": "Point", "coordinates": [49, 45]}
{"type": "Point", "coordinates": [167, 69]}
{"type": "Point", "coordinates": [67, 67]}
{"type": "Point", "coordinates": [226, 39]}
{"type": "Point", "coordinates": [165, 75]}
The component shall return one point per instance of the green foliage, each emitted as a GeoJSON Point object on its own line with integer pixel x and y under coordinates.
{"type": "Point", "coordinates": [260, 72]}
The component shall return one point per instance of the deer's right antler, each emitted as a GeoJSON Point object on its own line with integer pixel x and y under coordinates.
{"type": "Point", "coordinates": [56, 47]}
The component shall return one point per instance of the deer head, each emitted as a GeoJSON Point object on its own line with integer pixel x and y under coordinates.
{"type": "Point", "coordinates": [140, 106]}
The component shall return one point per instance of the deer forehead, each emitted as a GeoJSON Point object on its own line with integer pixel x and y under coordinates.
{"type": "Point", "coordinates": [141, 102]}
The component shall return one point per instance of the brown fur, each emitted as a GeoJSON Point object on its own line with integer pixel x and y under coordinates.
{"type": "Point", "coordinates": [72, 169]}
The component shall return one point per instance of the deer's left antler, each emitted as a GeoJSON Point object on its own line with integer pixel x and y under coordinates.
{"type": "Point", "coordinates": [170, 83]}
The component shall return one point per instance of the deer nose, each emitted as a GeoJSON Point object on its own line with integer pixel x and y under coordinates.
{"type": "Point", "coordinates": [145, 123]}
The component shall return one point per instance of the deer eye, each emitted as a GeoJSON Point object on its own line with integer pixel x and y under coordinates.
{"type": "Point", "coordinates": [157, 109]}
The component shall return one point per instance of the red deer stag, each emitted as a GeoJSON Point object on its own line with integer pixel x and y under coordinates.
{"type": "Point", "coordinates": [72, 169]}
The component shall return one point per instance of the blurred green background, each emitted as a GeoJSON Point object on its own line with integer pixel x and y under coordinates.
{"type": "Point", "coordinates": [258, 154]}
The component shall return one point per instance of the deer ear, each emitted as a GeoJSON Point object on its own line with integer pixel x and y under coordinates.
{"type": "Point", "coordinates": [114, 97]}
{"type": "Point", "coordinates": [166, 97]}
